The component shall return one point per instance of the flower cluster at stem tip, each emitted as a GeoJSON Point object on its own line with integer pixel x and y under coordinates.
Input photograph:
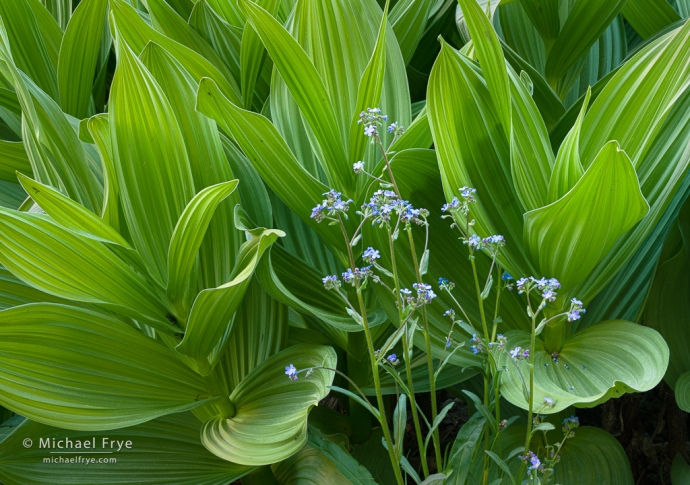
{"type": "Point", "coordinates": [372, 119]}
{"type": "Point", "coordinates": [331, 207]}
{"type": "Point", "coordinates": [533, 459]}
{"type": "Point", "coordinates": [383, 204]}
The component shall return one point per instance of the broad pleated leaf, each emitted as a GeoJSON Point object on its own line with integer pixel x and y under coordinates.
{"type": "Point", "coordinates": [213, 308]}
{"type": "Point", "coordinates": [98, 128]}
{"type": "Point", "coordinates": [544, 16]}
{"type": "Point", "coordinates": [14, 292]}
{"type": "Point", "coordinates": [162, 451]}
{"type": "Point", "coordinates": [603, 361]}
{"type": "Point", "coordinates": [682, 392]}
{"type": "Point", "coordinates": [680, 471]}
{"type": "Point", "coordinates": [49, 372]}
{"type": "Point", "coordinates": [308, 90]}
{"type": "Point", "coordinates": [270, 423]}
{"type": "Point", "coordinates": [568, 170]}
{"type": "Point", "coordinates": [13, 159]}
{"type": "Point", "coordinates": [343, 461]}
{"type": "Point", "coordinates": [308, 466]}
{"type": "Point", "coordinates": [648, 17]}
{"type": "Point", "coordinates": [408, 19]}
{"type": "Point", "coordinates": [27, 45]}
{"type": "Point", "coordinates": [79, 56]}
{"type": "Point", "coordinates": [51, 31]}
{"type": "Point", "coordinates": [143, 127]}
{"type": "Point", "coordinates": [186, 241]}
{"type": "Point", "coordinates": [570, 236]}
{"type": "Point", "coordinates": [74, 267]}
{"type": "Point", "coordinates": [137, 33]}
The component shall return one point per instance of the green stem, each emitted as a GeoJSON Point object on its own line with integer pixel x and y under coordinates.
{"type": "Point", "coordinates": [408, 368]}
{"type": "Point", "coordinates": [530, 398]}
{"type": "Point", "coordinates": [374, 367]}
{"type": "Point", "coordinates": [429, 360]}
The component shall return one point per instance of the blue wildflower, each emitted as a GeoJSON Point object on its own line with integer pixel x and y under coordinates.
{"type": "Point", "coordinates": [358, 167]}
{"type": "Point", "coordinates": [371, 255]}
{"type": "Point", "coordinates": [291, 372]}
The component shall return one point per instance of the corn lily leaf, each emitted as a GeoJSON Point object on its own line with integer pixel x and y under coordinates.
{"type": "Point", "coordinates": [603, 361]}
{"type": "Point", "coordinates": [51, 30]}
{"type": "Point", "coordinates": [14, 292]}
{"type": "Point", "coordinates": [545, 17]}
{"type": "Point", "coordinates": [409, 19]}
{"type": "Point", "coordinates": [213, 309]}
{"type": "Point", "coordinates": [65, 264]}
{"type": "Point", "coordinates": [680, 470]}
{"type": "Point", "coordinates": [270, 423]}
{"type": "Point", "coordinates": [162, 451]}
{"type": "Point", "coordinates": [143, 127]}
{"type": "Point", "coordinates": [79, 56]}
{"type": "Point", "coordinates": [186, 241]}
{"type": "Point", "coordinates": [569, 237]}
{"type": "Point", "coordinates": [309, 465]}
{"type": "Point", "coordinates": [137, 33]}
{"type": "Point", "coordinates": [24, 39]}
{"type": "Point", "coordinates": [648, 17]}
{"type": "Point", "coordinates": [14, 159]}
{"type": "Point", "coordinates": [133, 380]}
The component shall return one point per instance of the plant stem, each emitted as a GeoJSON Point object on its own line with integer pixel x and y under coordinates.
{"type": "Point", "coordinates": [429, 359]}
{"type": "Point", "coordinates": [530, 398]}
{"type": "Point", "coordinates": [374, 367]}
{"type": "Point", "coordinates": [408, 369]}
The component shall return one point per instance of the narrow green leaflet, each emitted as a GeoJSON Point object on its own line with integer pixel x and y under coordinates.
{"type": "Point", "coordinates": [308, 465]}
{"type": "Point", "coordinates": [570, 236]}
{"type": "Point", "coordinates": [143, 127]}
{"type": "Point", "coordinates": [13, 159]}
{"type": "Point", "coordinates": [308, 90]}
{"type": "Point", "coordinates": [27, 46]}
{"type": "Point", "coordinates": [603, 361]}
{"type": "Point", "coordinates": [270, 423]}
{"type": "Point", "coordinates": [48, 372]}
{"type": "Point", "coordinates": [79, 56]}
{"type": "Point", "coordinates": [212, 311]}
{"type": "Point", "coordinates": [186, 241]}
{"type": "Point", "coordinates": [162, 451]}
{"type": "Point", "coordinates": [568, 170]}
{"type": "Point", "coordinates": [648, 17]}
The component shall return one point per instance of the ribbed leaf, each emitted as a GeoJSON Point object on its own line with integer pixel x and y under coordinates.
{"type": "Point", "coordinates": [648, 17]}
{"type": "Point", "coordinates": [308, 90]}
{"type": "Point", "coordinates": [587, 20]}
{"type": "Point", "coordinates": [79, 56]}
{"type": "Point", "coordinates": [680, 471]}
{"type": "Point", "coordinates": [51, 31]}
{"type": "Point", "coordinates": [14, 292]}
{"type": "Point", "coordinates": [308, 466]}
{"type": "Point", "coordinates": [186, 241]}
{"type": "Point", "coordinates": [162, 451]}
{"type": "Point", "coordinates": [143, 127]}
{"type": "Point", "coordinates": [25, 41]}
{"type": "Point", "coordinates": [98, 128]}
{"type": "Point", "coordinates": [212, 311]}
{"type": "Point", "coordinates": [13, 159]}
{"type": "Point", "coordinates": [270, 423]}
{"type": "Point", "coordinates": [570, 236]}
{"type": "Point", "coordinates": [682, 392]}
{"type": "Point", "coordinates": [74, 267]}
{"type": "Point", "coordinates": [49, 371]}
{"type": "Point", "coordinates": [603, 361]}
{"type": "Point", "coordinates": [544, 16]}
{"type": "Point", "coordinates": [207, 162]}
{"type": "Point", "coordinates": [343, 461]}
{"type": "Point", "coordinates": [568, 170]}
{"type": "Point", "coordinates": [408, 19]}
{"type": "Point", "coordinates": [136, 33]}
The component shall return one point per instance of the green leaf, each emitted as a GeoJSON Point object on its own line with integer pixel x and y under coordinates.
{"type": "Point", "coordinates": [207, 162]}
{"type": "Point", "coordinates": [544, 16]}
{"type": "Point", "coordinates": [570, 236]}
{"type": "Point", "coordinates": [14, 292]}
{"type": "Point", "coordinates": [79, 56]}
{"type": "Point", "coordinates": [568, 170]}
{"type": "Point", "coordinates": [253, 55]}
{"type": "Point", "coordinates": [137, 33]}
{"type": "Point", "coordinates": [64, 264]}
{"type": "Point", "coordinates": [587, 20]}
{"type": "Point", "coordinates": [260, 330]}
{"type": "Point", "coordinates": [308, 465]}
{"type": "Point", "coordinates": [648, 17]}
{"type": "Point", "coordinates": [603, 361]}
{"type": "Point", "coordinates": [400, 424]}
{"type": "Point", "coordinates": [25, 41]}
{"type": "Point", "coordinates": [464, 449]}
{"type": "Point", "coordinates": [343, 461]}
{"type": "Point", "coordinates": [270, 423]}
{"type": "Point", "coordinates": [51, 31]}
{"type": "Point", "coordinates": [162, 451]}
{"type": "Point", "coordinates": [69, 214]}
{"type": "Point", "coordinates": [680, 471]}
{"type": "Point", "coordinates": [473, 151]}
{"type": "Point", "coordinates": [368, 92]}
{"type": "Point", "coordinates": [682, 391]}
{"type": "Point", "coordinates": [13, 159]}
{"type": "Point", "coordinates": [213, 308]}
{"type": "Point", "coordinates": [186, 241]}
{"type": "Point", "coordinates": [143, 127]}
{"type": "Point", "coordinates": [98, 128]}
{"type": "Point", "coordinates": [269, 154]}
{"type": "Point", "coordinates": [308, 90]}
{"type": "Point", "coordinates": [409, 19]}
{"type": "Point", "coordinates": [49, 374]}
